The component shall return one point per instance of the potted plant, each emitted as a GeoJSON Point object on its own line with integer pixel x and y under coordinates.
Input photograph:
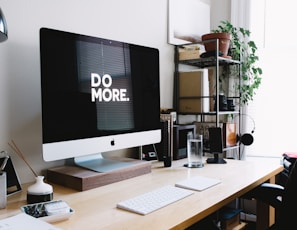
{"type": "Point", "coordinates": [243, 49]}
{"type": "Point", "coordinates": [224, 42]}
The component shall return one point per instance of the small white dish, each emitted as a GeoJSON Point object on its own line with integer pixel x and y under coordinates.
{"type": "Point", "coordinates": [37, 210]}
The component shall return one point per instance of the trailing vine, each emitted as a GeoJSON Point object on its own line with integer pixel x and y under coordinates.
{"type": "Point", "coordinates": [243, 49]}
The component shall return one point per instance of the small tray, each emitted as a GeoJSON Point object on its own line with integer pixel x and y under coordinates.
{"type": "Point", "coordinates": [37, 210]}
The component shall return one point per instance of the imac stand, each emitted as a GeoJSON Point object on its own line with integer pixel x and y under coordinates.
{"type": "Point", "coordinates": [98, 163]}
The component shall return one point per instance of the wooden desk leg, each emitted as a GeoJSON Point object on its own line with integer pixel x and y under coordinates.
{"type": "Point", "coordinates": [265, 213]}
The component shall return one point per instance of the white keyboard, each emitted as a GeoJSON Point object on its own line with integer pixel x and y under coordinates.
{"type": "Point", "coordinates": [155, 199]}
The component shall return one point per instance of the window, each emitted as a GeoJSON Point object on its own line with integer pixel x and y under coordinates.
{"type": "Point", "coordinates": [273, 108]}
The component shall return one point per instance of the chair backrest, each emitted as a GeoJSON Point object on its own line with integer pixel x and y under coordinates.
{"type": "Point", "coordinates": [288, 217]}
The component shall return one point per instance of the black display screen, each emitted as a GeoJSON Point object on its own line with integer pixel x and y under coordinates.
{"type": "Point", "coordinates": [94, 87]}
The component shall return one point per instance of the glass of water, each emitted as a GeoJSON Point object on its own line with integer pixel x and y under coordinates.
{"type": "Point", "coordinates": [194, 151]}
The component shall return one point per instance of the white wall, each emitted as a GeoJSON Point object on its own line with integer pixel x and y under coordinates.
{"type": "Point", "coordinates": [220, 11]}
{"type": "Point", "coordinates": [136, 21]}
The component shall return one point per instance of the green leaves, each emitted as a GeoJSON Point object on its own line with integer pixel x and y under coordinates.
{"type": "Point", "coordinates": [244, 50]}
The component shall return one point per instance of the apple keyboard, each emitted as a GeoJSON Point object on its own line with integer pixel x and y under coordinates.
{"type": "Point", "coordinates": [155, 199]}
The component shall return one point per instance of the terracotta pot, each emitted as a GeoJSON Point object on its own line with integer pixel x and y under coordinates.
{"type": "Point", "coordinates": [224, 42]}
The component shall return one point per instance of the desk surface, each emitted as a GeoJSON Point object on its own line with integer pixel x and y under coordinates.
{"type": "Point", "coordinates": [96, 208]}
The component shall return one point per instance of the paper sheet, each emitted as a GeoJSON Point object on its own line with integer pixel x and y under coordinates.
{"type": "Point", "coordinates": [22, 220]}
{"type": "Point", "coordinates": [198, 183]}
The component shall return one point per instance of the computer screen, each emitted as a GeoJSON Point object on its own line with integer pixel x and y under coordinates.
{"type": "Point", "coordinates": [97, 95]}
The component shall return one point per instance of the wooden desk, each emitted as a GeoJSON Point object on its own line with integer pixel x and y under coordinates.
{"type": "Point", "coordinates": [96, 208]}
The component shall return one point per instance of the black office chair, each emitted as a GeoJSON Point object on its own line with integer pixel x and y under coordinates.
{"type": "Point", "coordinates": [283, 199]}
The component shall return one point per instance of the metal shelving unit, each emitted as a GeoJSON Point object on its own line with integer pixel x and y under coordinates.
{"type": "Point", "coordinates": [210, 62]}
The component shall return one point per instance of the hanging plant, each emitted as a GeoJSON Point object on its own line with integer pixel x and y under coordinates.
{"type": "Point", "coordinates": [243, 49]}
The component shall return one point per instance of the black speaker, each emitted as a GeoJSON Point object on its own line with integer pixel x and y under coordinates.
{"type": "Point", "coordinates": [164, 148]}
{"type": "Point", "coordinates": [215, 145]}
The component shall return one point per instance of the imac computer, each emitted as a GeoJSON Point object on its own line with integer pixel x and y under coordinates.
{"type": "Point", "coordinates": [97, 95]}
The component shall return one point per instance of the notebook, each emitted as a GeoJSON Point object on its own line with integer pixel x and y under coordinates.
{"type": "Point", "coordinates": [198, 183]}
